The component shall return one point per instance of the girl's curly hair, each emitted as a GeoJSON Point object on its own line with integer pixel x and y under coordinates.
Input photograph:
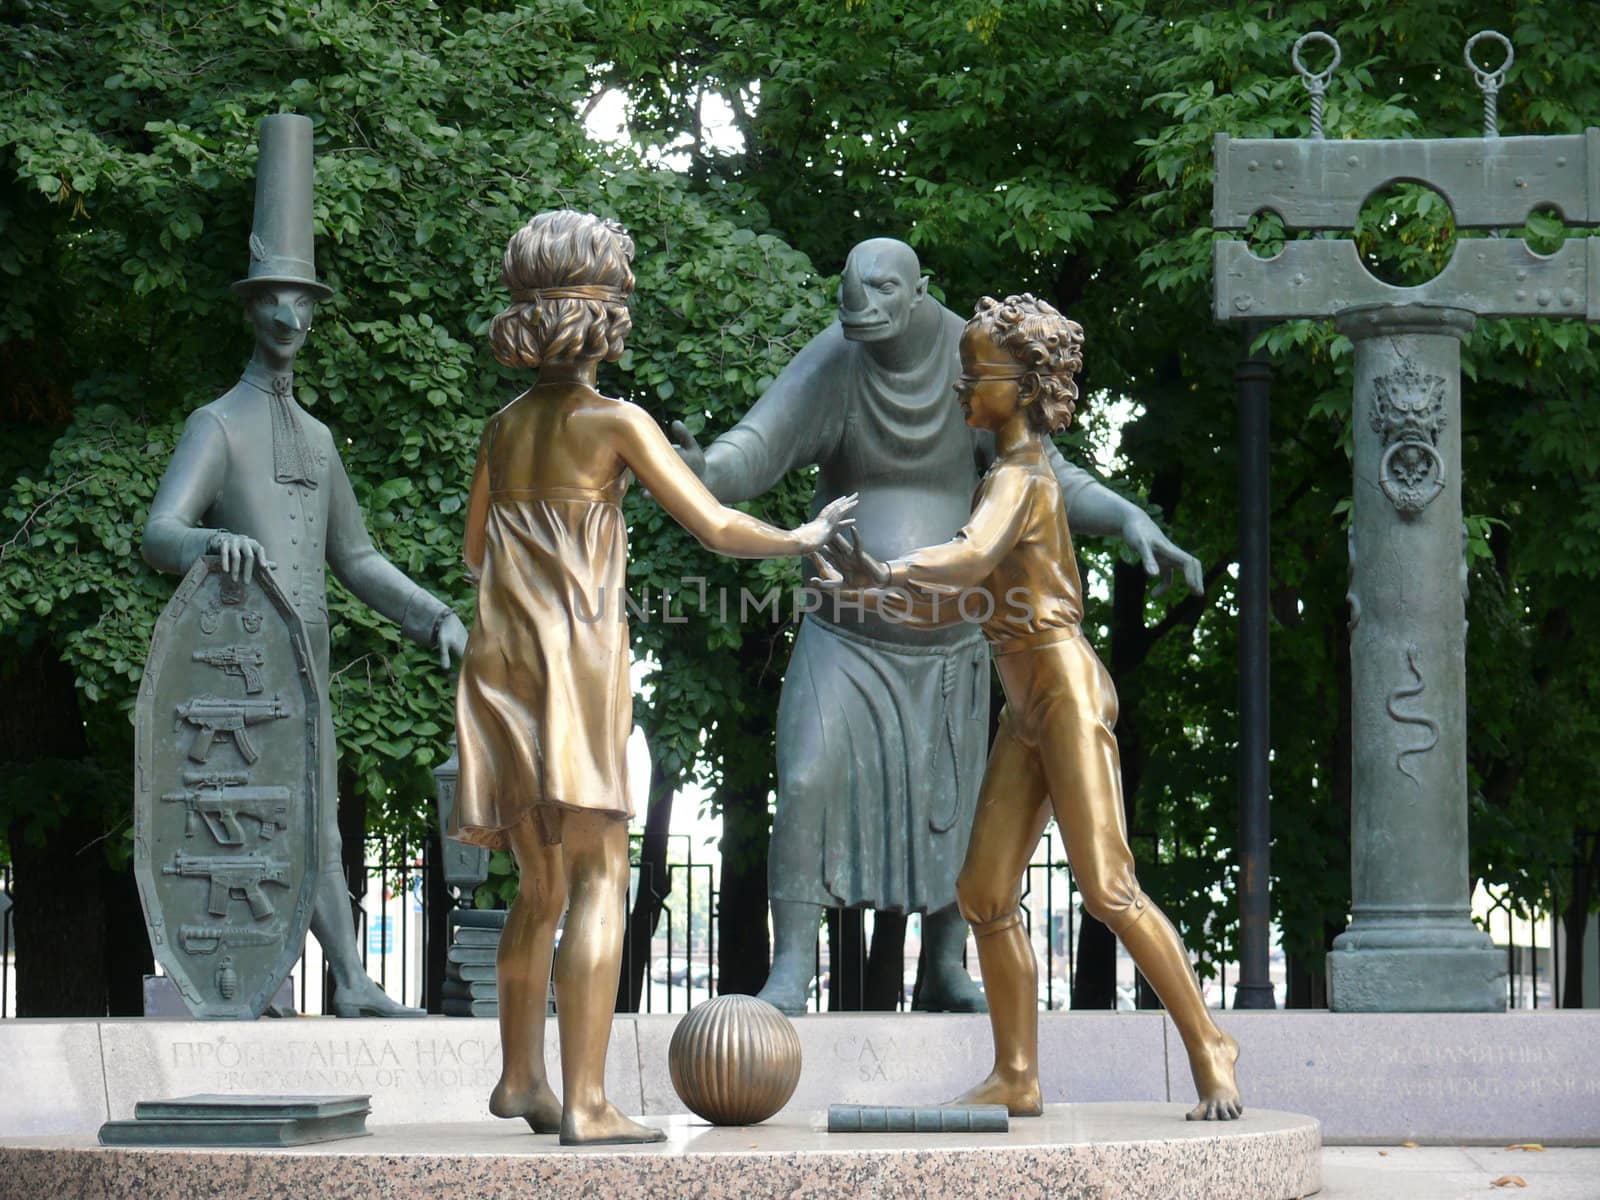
{"type": "Point", "coordinates": [565, 252]}
{"type": "Point", "coordinates": [1046, 344]}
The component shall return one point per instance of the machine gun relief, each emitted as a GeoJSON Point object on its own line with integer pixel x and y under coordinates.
{"type": "Point", "coordinates": [208, 939]}
{"type": "Point", "coordinates": [221, 806]}
{"type": "Point", "coordinates": [242, 873]}
{"type": "Point", "coordinates": [211, 715]}
{"type": "Point", "coordinates": [243, 661]}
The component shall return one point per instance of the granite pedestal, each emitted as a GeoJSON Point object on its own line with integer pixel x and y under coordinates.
{"type": "Point", "coordinates": [1379, 1078]}
{"type": "Point", "coordinates": [1074, 1152]}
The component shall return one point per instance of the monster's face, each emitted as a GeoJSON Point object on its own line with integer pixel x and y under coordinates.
{"type": "Point", "coordinates": [881, 288]}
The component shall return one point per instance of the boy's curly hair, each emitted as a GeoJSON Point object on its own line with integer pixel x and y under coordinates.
{"type": "Point", "coordinates": [570, 275]}
{"type": "Point", "coordinates": [1046, 344]}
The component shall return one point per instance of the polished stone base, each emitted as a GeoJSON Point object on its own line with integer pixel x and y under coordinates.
{"type": "Point", "coordinates": [1374, 1078]}
{"type": "Point", "coordinates": [1417, 979]}
{"type": "Point", "coordinates": [1121, 1151]}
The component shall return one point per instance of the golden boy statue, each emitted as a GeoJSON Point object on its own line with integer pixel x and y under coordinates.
{"type": "Point", "coordinates": [1055, 752]}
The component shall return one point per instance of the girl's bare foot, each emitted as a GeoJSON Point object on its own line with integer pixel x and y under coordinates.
{"type": "Point", "coordinates": [1212, 1065]}
{"type": "Point", "coordinates": [1019, 1093]}
{"type": "Point", "coordinates": [606, 1125]}
{"type": "Point", "coordinates": [536, 1104]}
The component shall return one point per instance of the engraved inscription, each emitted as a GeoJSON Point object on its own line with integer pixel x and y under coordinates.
{"type": "Point", "coordinates": [884, 1060]}
{"type": "Point", "coordinates": [335, 1064]}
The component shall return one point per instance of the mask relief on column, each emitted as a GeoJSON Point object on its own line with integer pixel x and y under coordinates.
{"type": "Point", "coordinates": [1408, 413]}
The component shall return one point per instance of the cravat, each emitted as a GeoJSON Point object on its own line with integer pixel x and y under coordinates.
{"type": "Point", "coordinates": [291, 454]}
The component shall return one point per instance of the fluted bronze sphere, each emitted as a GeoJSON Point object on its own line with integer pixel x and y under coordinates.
{"type": "Point", "coordinates": [735, 1060]}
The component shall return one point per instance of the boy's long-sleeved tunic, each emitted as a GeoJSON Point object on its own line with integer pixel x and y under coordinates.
{"type": "Point", "coordinates": [1011, 567]}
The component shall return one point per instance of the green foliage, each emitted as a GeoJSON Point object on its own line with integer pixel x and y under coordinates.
{"type": "Point", "coordinates": [1065, 148]}
{"type": "Point", "coordinates": [126, 169]}
{"type": "Point", "coordinates": [1058, 146]}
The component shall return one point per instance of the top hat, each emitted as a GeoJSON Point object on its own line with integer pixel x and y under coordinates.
{"type": "Point", "coordinates": [280, 239]}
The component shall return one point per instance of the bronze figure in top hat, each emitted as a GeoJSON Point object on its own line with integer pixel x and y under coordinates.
{"type": "Point", "coordinates": [257, 481]}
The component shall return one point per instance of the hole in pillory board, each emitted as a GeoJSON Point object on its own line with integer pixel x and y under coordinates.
{"type": "Point", "coordinates": [1405, 234]}
{"type": "Point", "coordinates": [1544, 231]}
{"type": "Point", "coordinates": [1264, 234]}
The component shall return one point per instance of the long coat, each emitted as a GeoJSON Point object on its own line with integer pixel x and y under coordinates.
{"type": "Point", "coordinates": [221, 477]}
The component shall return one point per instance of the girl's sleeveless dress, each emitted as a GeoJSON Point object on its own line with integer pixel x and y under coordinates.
{"type": "Point", "coordinates": [544, 707]}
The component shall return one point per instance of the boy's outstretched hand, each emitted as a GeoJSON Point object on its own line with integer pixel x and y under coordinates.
{"type": "Point", "coordinates": [844, 563]}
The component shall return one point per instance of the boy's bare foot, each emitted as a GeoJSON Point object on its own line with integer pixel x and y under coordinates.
{"type": "Point", "coordinates": [1019, 1093]}
{"type": "Point", "coordinates": [536, 1104]}
{"type": "Point", "coordinates": [606, 1126]}
{"type": "Point", "coordinates": [1212, 1065]}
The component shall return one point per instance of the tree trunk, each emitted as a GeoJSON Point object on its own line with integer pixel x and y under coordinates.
{"type": "Point", "coordinates": [1094, 982]}
{"type": "Point", "coordinates": [1306, 975]}
{"type": "Point", "coordinates": [1301, 988]}
{"type": "Point", "coordinates": [747, 749]}
{"type": "Point", "coordinates": [847, 966]}
{"type": "Point", "coordinates": [1094, 976]}
{"type": "Point", "coordinates": [743, 945]}
{"type": "Point", "coordinates": [1575, 914]}
{"type": "Point", "coordinates": [651, 897]}
{"type": "Point", "coordinates": [886, 971]}
{"type": "Point", "coordinates": [64, 920]}
{"type": "Point", "coordinates": [128, 958]}
{"type": "Point", "coordinates": [437, 901]}
{"type": "Point", "coordinates": [60, 925]}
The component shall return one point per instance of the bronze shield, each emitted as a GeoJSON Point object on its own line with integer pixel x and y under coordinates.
{"type": "Point", "coordinates": [226, 790]}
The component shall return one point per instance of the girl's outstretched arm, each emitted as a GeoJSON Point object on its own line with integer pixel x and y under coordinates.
{"type": "Point", "coordinates": [646, 451]}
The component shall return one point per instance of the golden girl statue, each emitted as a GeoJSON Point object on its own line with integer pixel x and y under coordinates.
{"type": "Point", "coordinates": [1055, 752]}
{"type": "Point", "coordinates": [544, 707]}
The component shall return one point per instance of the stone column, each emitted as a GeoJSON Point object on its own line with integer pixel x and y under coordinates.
{"type": "Point", "coordinates": [1411, 945]}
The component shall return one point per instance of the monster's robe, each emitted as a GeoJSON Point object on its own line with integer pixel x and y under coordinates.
{"type": "Point", "coordinates": [882, 728]}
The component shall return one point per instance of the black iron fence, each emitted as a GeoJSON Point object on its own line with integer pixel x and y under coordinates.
{"type": "Point", "coordinates": [401, 928]}
{"type": "Point", "coordinates": [8, 976]}
{"type": "Point", "coordinates": [1533, 973]}
{"type": "Point", "coordinates": [682, 961]}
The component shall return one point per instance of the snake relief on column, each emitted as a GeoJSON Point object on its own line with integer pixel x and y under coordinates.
{"type": "Point", "coordinates": [1407, 692]}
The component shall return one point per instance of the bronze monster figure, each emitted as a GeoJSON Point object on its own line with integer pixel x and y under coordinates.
{"type": "Point", "coordinates": [882, 726]}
